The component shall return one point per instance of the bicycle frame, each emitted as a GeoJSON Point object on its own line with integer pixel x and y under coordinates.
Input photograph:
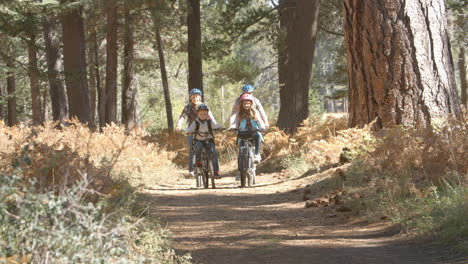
{"type": "Point", "coordinates": [246, 157]}
{"type": "Point", "coordinates": [203, 174]}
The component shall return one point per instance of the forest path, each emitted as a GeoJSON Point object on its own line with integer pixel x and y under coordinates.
{"type": "Point", "coordinates": [269, 224]}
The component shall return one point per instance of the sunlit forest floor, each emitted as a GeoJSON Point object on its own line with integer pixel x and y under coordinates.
{"type": "Point", "coordinates": [269, 223]}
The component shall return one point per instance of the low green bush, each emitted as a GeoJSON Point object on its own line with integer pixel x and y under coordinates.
{"type": "Point", "coordinates": [65, 228]}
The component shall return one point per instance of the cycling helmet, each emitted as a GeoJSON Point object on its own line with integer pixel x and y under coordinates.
{"type": "Point", "coordinates": [247, 88]}
{"type": "Point", "coordinates": [247, 97]}
{"type": "Point", "coordinates": [202, 107]}
{"type": "Point", "coordinates": [195, 91]}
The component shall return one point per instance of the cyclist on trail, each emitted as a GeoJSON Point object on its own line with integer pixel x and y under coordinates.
{"type": "Point", "coordinates": [204, 124]}
{"type": "Point", "coordinates": [248, 89]}
{"type": "Point", "coordinates": [248, 118]}
{"type": "Point", "coordinates": [190, 114]}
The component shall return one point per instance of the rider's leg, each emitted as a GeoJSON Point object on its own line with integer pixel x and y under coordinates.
{"type": "Point", "coordinates": [191, 156]}
{"type": "Point", "coordinates": [215, 158]}
{"type": "Point", "coordinates": [257, 143]}
{"type": "Point", "coordinates": [198, 148]}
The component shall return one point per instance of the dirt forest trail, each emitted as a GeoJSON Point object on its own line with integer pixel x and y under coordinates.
{"type": "Point", "coordinates": [270, 224]}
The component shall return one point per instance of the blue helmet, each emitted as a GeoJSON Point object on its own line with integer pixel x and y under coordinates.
{"type": "Point", "coordinates": [202, 107]}
{"type": "Point", "coordinates": [247, 88]}
{"type": "Point", "coordinates": [195, 91]}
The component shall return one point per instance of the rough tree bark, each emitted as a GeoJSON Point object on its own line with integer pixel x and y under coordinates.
{"type": "Point", "coordinates": [11, 93]}
{"type": "Point", "coordinates": [130, 116]}
{"type": "Point", "coordinates": [74, 56]}
{"type": "Point", "coordinates": [58, 93]}
{"type": "Point", "coordinates": [195, 79]}
{"type": "Point", "coordinates": [34, 81]}
{"type": "Point", "coordinates": [111, 63]}
{"type": "Point", "coordinates": [399, 62]}
{"type": "Point", "coordinates": [298, 19]}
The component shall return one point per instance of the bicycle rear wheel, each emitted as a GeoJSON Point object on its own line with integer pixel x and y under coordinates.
{"type": "Point", "coordinates": [198, 177]}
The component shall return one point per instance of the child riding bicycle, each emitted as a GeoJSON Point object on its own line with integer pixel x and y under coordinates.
{"type": "Point", "coordinates": [190, 114]}
{"type": "Point", "coordinates": [202, 129]}
{"type": "Point", "coordinates": [247, 119]}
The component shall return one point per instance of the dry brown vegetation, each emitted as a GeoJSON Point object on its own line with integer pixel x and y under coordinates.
{"type": "Point", "coordinates": [60, 157]}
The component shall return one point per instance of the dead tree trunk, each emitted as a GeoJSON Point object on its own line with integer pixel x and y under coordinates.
{"type": "Point", "coordinates": [58, 93]}
{"type": "Point", "coordinates": [399, 63]}
{"type": "Point", "coordinates": [298, 19]}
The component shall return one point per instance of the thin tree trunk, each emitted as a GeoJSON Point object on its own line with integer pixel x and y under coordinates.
{"type": "Point", "coordinates": [45, 106]}
{"type": "Point", "coordinates": [165, 82]}
{"type": "Point", "coordinates": [111, 63]}
{"type": "Point", "coordinates": [463, 77]}
{"type": "Point", "coordinates": [58, 93]}
{"type": "Point", "coordinates": [2, 116]}
{"type": "Point", "coordinates": [11, 93]}
{"type": "Point", "coordinates": [399, 63]}
{"type": "Point", "coordinates": [129, 91]}
{"type": "Point", "coordinates": [34, 81]}
{"type": "Point", "coordinates": [101, 89]}
{"type": "Point", "coordinates": [195, 78]}
{"type": "Point", "coordinates": [298, 19]}
{"type": "Point", "coordinates": [92, 71]}
{"type": "Point", "coordinates": [74, 55]}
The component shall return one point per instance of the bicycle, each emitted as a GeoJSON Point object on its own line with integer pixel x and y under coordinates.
{"type": "Point", "coordinates": [246, 157]}
{"type": "Point", "coordinates": [204, 173]}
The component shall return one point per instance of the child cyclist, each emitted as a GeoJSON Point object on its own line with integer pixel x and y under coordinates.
{"type": "Point", "coordinates": [249, 89]}
{"type": "Point", "coordinates": [190, 114]}
{"type": "Point", "coordinates": [248, 118]}
{"type": "Point", "coordinates": [206, 125]}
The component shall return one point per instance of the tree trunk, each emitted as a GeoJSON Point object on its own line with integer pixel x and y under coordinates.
{"type": "Point", "coordinates": [165, 82]}
{"type": "Point", "coordinates": [129, 90]}
{"type": "Point", "coordinates": [298, 19]}
{"type": "Point", "coordinates": [195, 79]}
{"type": "Point", "coordinates": [58, 93]}
{"type": "Point", "coordinates": [101, 89]}
{"type": "Point", "coordinates": [34, 81]}
{"type": "Point", "coordinates": [111, 63]}
{"type": "Point", "coordinates": [74, 56]}
{"type": "Point", "coordinates": [45, 106]}
{"type": "Point", "coordinates": [92, 70]}
{"type": "Point", "coordinates": [399, 63]}
{"type": "Point", "coordinates": [11, 93]}
{"type": "Point", "coordinates": [2, 116]}
{"type": "Point", "coordinates": [462, 66]}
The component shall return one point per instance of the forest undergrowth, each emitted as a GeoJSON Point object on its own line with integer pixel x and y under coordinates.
{"type": "Point", "coordinates": [78, 186]}
{"type": "Point", "coordinates": [71, 195]}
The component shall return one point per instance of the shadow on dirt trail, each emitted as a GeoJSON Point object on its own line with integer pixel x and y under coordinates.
{"type": "Point", "coordinates": [269, 224]}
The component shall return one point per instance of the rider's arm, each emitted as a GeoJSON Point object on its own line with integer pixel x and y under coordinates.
{"type": "Point", "coordinates": [263, 115]}
{"type": "Point", "coordinates": [182, 117]}
{"type": "Point", "coordinates": [210, 116]}
{"type": "Point", "coordinates": [233, 121]}
{"type": "Point", "coordinates": [191, 128]}
{"type": "Point", "coordinates": [260, 124]}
